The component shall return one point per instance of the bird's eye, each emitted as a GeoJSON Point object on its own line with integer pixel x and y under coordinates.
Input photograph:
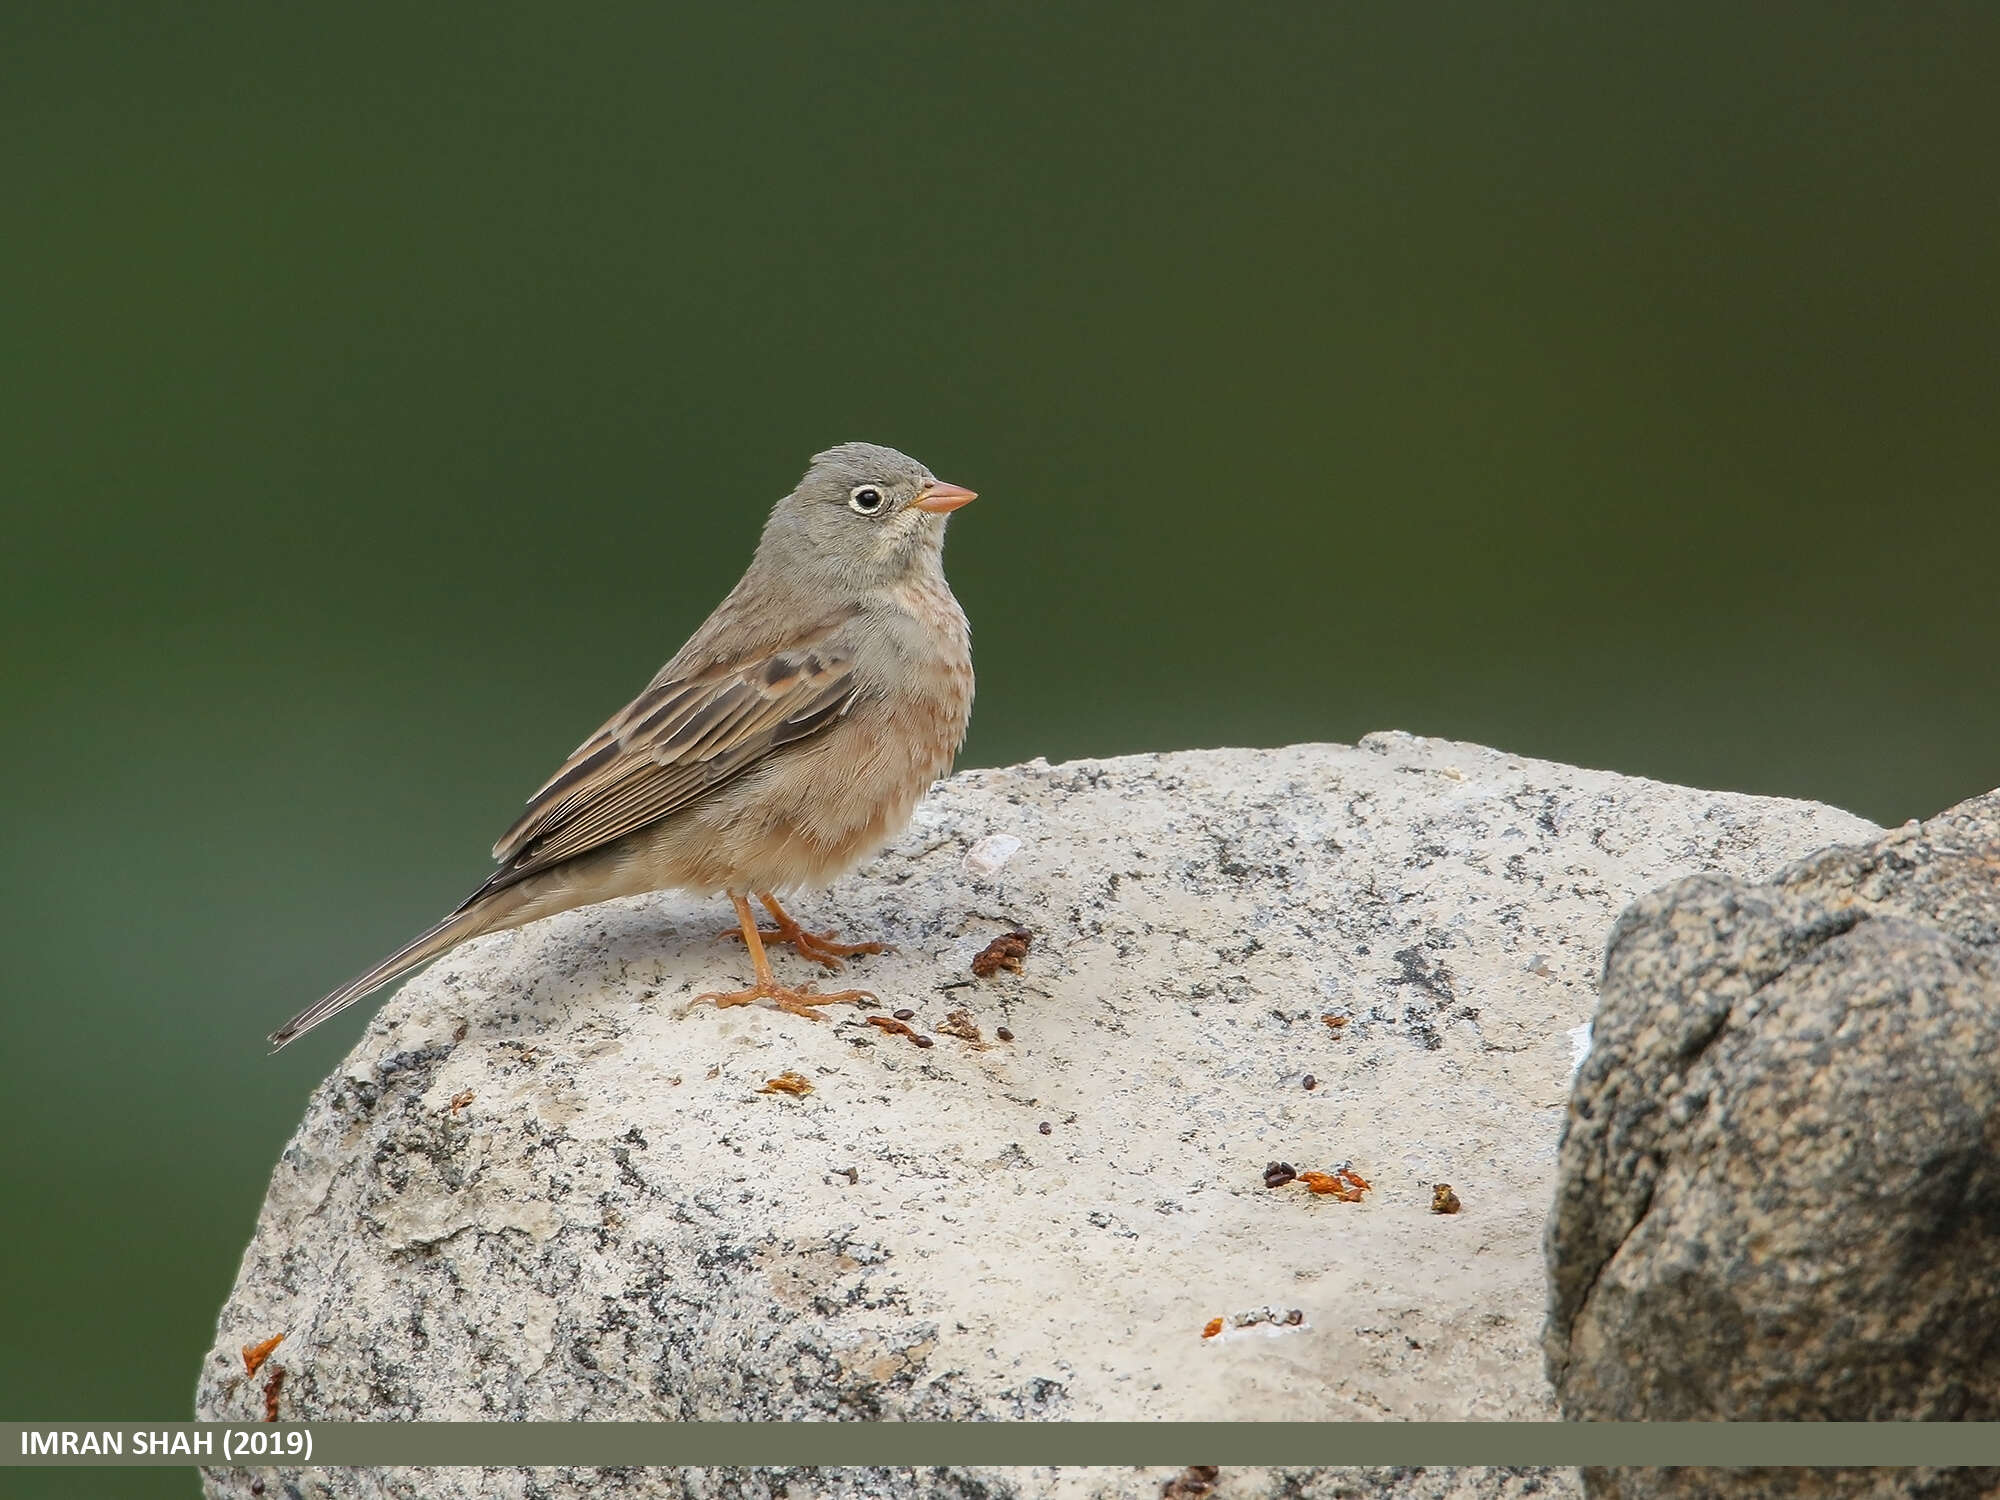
{"type": "Point", "coordinates": [865, 501]}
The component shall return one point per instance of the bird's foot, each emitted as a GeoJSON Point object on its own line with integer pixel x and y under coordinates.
{"type": "Point", "coordinates": [797, 1001]}
{"type": "Point", "coordinates": [821, 947]}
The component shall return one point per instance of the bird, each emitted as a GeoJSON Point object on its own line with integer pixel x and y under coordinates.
{"type": "Point", "coordinates": [788, 740]}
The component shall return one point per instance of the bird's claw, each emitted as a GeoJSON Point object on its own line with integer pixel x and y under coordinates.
{"type": "Point", "coordinates": [822, 948]}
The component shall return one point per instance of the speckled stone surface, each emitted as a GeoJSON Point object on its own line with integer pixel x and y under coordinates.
{"type": "Point", "coordinates": [545, 1186]}
{"type": "Point", "coordinates": [1779, 1196]}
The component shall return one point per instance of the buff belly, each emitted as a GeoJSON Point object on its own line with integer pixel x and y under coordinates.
{"type": "Point", "coordinates": [801, 820]}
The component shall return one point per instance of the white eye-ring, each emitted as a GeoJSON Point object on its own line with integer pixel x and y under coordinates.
{"type": "Point", "coordinates": [866, 500]}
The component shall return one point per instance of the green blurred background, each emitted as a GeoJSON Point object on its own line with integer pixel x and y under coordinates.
{"type": "Point", "coordinates": [384, 394]}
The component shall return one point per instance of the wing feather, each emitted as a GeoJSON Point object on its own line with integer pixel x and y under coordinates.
{"type": "Point", "coordinates": [672, 745]}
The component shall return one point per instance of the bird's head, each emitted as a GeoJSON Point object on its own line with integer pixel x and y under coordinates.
{"type": "Point", "coordinates": [866, 513]}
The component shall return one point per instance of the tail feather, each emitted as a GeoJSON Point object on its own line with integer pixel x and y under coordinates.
{"type": "Point", "coordinates": [462, 925]}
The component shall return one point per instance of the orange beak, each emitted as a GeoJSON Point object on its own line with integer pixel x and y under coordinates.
{"type": "Point", "coordinates": [941, 498]}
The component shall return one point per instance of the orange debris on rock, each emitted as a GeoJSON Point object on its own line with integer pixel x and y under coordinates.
{"type": "Point", "coordinates": [1345, 1184]}
{"type": "Point", "coordinates": [254, 1355]}
{"type": "Point", "coordinates": [1004, 952]}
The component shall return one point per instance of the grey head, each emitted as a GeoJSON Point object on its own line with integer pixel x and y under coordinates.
{"type": "Point", "coordinates": [863, 516]}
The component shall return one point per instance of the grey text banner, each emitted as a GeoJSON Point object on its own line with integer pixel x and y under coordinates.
{"type": "Point", "coordinates": [1008, 1444]}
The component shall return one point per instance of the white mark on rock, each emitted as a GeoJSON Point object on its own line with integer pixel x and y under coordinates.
{"type": "Point", "coordinates": [1579, 1046]}
{"type": "Point", "coordinates": [1265, 1322]}
{"type": "Point", "coordinates": [990, 853]}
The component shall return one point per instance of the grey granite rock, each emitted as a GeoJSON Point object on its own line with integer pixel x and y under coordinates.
{"type": "Point", "coordinates": [1779, 1189]}
{"type": "Point", "coordinates": [545, 1186]}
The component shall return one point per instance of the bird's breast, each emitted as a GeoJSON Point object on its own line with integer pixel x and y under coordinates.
{"type": "Point", "coordinates": [929, 683]}
{"type": "Point", "coordinates": [913, 657]}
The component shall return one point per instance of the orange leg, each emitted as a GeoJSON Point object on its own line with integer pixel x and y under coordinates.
{"type": "Point", "coordinates": [798, 1002]}
{"type": "Point", "coordinates": [820, 947]}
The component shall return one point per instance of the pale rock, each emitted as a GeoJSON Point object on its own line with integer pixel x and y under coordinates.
{"type": "Point", "coordinates": [546, 1186]}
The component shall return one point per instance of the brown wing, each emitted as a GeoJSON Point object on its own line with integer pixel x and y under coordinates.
{"type": "Point", "coordinates": [672, 745]}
